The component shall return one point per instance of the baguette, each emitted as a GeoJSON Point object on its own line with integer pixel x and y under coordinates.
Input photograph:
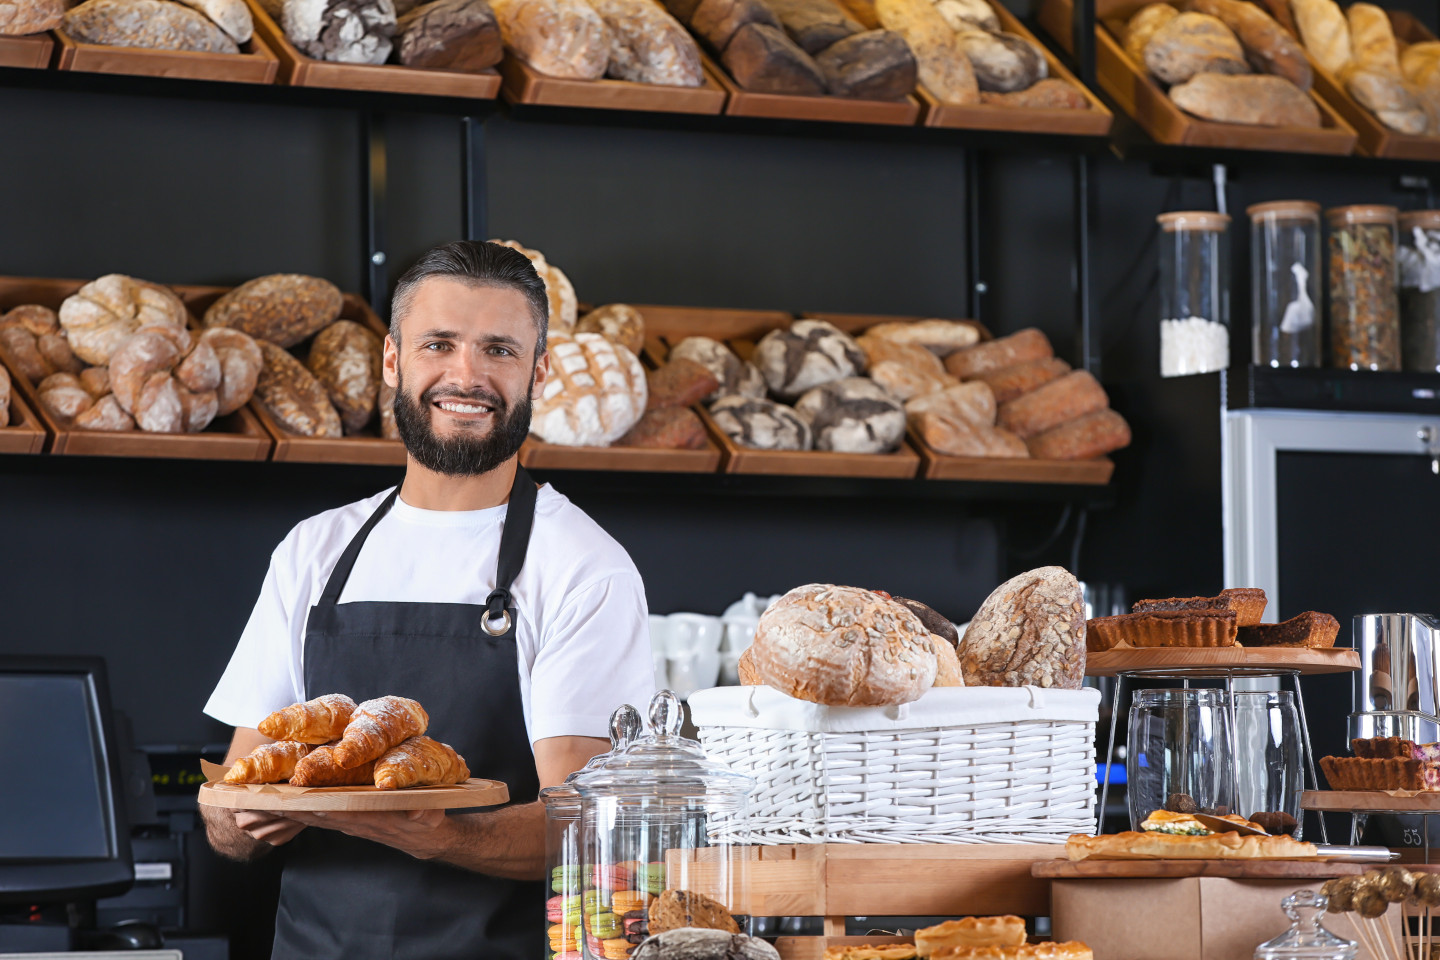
{"type": "Point", "coordinates": [1133, 845]}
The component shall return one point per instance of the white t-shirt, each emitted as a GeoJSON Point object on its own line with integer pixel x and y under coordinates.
{"type": "Point", "coordinates": [580, 627]}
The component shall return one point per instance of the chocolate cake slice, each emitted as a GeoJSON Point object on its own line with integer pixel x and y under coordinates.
{"type": "Point", "coordinates": [1309, 629]}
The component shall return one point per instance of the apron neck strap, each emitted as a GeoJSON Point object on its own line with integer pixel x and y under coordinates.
{"type": "Point", "coordinates": [341, 573]}
{"type": "Point", "coordinates": [514, 542]}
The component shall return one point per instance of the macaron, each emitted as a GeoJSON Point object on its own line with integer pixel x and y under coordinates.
{"type": "Point", "coordinates": [595, 901]}
{"type": "Point", "coordinates": [605, 926]}
{"type": "Point", "coordinates": [624, 901]}
{"type": "Point", "coordinates": [557, 907]}
{"type": "Point", "coordinates": [567, 955]}
{"type": "Point", "coordinates": [616, 949]}
{"type": "Point", "coordinates": [650, 878]}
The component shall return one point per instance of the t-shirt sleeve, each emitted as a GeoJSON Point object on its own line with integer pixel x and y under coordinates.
{"type": "Point", "coordinates": [596, 656]}
{"type": "Point", "coordinates": [263, 674]}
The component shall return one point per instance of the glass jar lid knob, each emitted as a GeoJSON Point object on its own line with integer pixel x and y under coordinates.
{"type": "Point", "coordinates": [624, 727]}
{"type": "Point", "coordinates": [666, 715]}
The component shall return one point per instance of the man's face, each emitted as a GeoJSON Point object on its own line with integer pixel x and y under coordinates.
{"type": "Point", "coordinates": [465, 372]}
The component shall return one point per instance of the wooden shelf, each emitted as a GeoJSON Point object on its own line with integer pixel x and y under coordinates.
{"type": "Point", "coordinates": [29, 52]}
{"type": "Point", "coordinates": [524, 84]}
{"type": "Point", "coordinates": [256, 62]}
{"type": "Point", "coordinates": [25, 433]}
{"type": "Point", "coordinates": [538, 455]}
{"type": "Point", "coordinates": [1171, 869]}
{"type": "Point", "coordinates": [826, 109]}
{"type": "Point", "coordinates": [940, 466]}
{"type": "Point", "coordinates": [1369, 801]}
{"type": "Point", "coordinates": [1197, 660]}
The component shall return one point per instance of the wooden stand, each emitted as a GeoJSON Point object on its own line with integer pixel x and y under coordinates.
{"type": "Point", "coordinates": [524, 84]}
{"type": "Point", "coordinates": [256, 63]}
{"type": "Point", "coordinates": [30, 52]}
{"type": "Point", "coordinates": [1302, 660]}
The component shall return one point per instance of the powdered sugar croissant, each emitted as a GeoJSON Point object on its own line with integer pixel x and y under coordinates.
{"type": "Point", "coordinates": [268, 763]}
{"type": "Point", "coordinates": [376, 726]}
{"type": "Point", "coordinates": [420, 762]}
{"type": "Point", "coordinates": [319, 769]}
{"type": "Point", "coordinates": [315, 721]}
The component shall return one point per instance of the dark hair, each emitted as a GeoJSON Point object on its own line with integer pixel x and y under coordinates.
{"type": "Point", "coordinates": [478, 264]}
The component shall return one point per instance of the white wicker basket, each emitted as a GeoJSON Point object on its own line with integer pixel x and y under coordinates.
{"type": "Point", "coordinates": [959, 765]}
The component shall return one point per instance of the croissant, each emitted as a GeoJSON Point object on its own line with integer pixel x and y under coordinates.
{"type": "Point", "coordinates": [319, 769]}
{"type": "Point", "coordinates": [420, 762]}
{"type": "Point", "coordinates": [315, 721]}
{"type": "Point", "coordinates": [376, 726]}
{"type": "Point", "coordinates": [268, 763]}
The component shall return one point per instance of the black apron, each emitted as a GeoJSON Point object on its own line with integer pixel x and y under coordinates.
{"type": "Point", "coordinates": [343, 897]}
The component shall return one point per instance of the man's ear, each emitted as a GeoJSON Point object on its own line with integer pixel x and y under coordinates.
{"type": "Point", "coordinates": [542, 376]}
{"type": "Point", "coordinates": [390, 363]}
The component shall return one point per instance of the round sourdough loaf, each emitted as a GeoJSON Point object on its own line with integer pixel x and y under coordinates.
{"type": "Point", "coordinates": [843, 646]}
{"type": "Point", "coordinates": [595, 394]}
{"type": "Point", "coordinates": [617, 322]}
{"type": "Point", "coordinates": [563, 306]}
{"type": "Point", "coordinates": [1029, 631]}
{"type": "Point", "coordinates": [854, 415]}
{"type": "Point", "coordinates": [807, 354]}
{"type": "Point", "coordinates": [284, 308]}
{"type": "Point", "coordinates": [735, 375]}
{"type": "Point", "coordinates": [104, 312]}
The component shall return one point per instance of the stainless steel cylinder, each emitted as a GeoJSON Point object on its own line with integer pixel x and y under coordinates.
{"type": "Point", "coordinates": [1398, 664]}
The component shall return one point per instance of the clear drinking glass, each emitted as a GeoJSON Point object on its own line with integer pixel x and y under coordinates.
{"type": "Point", "coordinates": [1180, 744]}
{"type": "Point", "coordinates": [1268, 756]}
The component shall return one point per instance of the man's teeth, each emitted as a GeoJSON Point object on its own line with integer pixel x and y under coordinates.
{"type": "Point", "coordinates": [455, 406]}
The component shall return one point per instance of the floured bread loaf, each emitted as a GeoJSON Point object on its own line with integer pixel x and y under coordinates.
{"type": "Point", "coordinates": [761, 424]}
{"type": "Point", "coordinates": [940, 337]}
{"type": "Point", "coordinates": [563, 306]}
{"type": "Point", "coordinates": [736, 376]}
{"type": "Point", "coordinates": [559, 38]}
{"type": "Point", "coordinates": [1030, 631]}
{"type": "Point", "coordinates": [805, 355]}
{"type": "Point", "coordinates": [342, 31]}
{"type": "Point", "coordinates": [617, 322]}
{"type": "Point", "coordinates": [104, 312]}
{"type": "Point", "coordinates": [854, 415]}
{"type": "Point", "coordinates": [168, 382]}
{"type": "Point", "coordinates": [4, 397]}
{"type": "Point", "coordinates": [843, 646]}
{"type": "Point", "coordinates": [596, 392]}
{"type": "Point", "coordinates": [904, 369]}
{"type": "Point", "coordinates": [971, 402]}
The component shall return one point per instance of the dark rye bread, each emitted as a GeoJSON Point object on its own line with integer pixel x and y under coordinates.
{"type": "Point", "coordinates": [814, 25]}
{"type": "Point", "coordinates": [1309, 629]}
{"type": "Point", "coordinates": [874, 65]}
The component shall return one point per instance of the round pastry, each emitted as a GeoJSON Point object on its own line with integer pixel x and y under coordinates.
{"type": "Point", "coordinates": [854, 415]}
{"type": "Point", "coordinates": [103, 313]}
{"type": "Point", "coordinates": [843, 646]}
{"type": "Point", "coordinates": [617, 322]}
{"type": "Point", "coordinates": [805, 355]}
{"type": "Point", "coordinates": [595, 394]}
{"type": "Point", "coordinates": [761, 424]}
{"type": "Point", "coordinates": [735, 375]}
{"type": "Point", "coordinates": [563, 305]}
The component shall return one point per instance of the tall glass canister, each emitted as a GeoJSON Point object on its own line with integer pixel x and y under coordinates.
{"type": "Point", "coordinates": [1285, 283]}
{"type": "Point", "coordinates": [1364, 301]}
{"type": "Point", "coordinates": [1419, 256]}
{"type": "Point", "coordinates": [1194, 292]}
{"type": "Point", "coordinates": [1180, 753]}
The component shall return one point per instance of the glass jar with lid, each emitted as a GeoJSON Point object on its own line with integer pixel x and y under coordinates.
{"type": "Point", "coordinates": [564, 889]}
{"type": "Point", "coordinates": [1306, 939]}
{"type": "Point", "coordinates": [1285, 283]}
{"type": "Point", "coordinates": [1419, 266]}
{"type": "Point", "coordinates": [1364, 302]}
{"type": "Point", "coordinates": [1194, 292]}
{"type": "Point", "coordinates": [652, 819]}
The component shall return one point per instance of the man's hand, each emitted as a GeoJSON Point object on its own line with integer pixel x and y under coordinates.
{"type": "Point", "coordinates": [267, 827]}
{"type": "Point", "coordinates": [423, 834]}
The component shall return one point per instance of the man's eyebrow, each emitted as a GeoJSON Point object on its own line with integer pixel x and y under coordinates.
{"type": "Point", "coordinates": [494, 338]}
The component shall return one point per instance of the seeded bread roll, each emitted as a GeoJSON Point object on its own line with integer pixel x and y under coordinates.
{"type": "Point", "coordinates": [805, 355]}
{"type": "Point", "coordinates": [292, 395]}
{"type": "Point", "coordinates": [345, 358]}
{"type": "Point", "coordinates": [1029, 631]}
{"type": "Point", "coordinates": [843, 646]}
{"type": "Point", "coordinates": [283, 308]}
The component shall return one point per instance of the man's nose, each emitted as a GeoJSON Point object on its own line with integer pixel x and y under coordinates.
{"type": "Point", "coordinates": [467, 368]}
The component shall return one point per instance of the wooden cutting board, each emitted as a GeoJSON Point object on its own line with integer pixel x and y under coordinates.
{"type": "Point", "coordinates": [1167, 869]}
{"type": "Point", "coordinates": [1303, 660]}
{"type": "Point", "coordinates": [281, 797]}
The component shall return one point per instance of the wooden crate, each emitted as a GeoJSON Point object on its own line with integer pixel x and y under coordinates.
{"type": "Point", "coordinates": [1131, 86]}
{"type": "Point", "coordinates": [826, 109]}
{"type": "Point", "coordinates": [524, 84]}
{"type": "Point", "coordinates": [256, 63]}
{"type": "Point", "coordinates": [238, 436]}
{"type": "Point", "coordinates": [740, 329]}
{"type": "Point", "coordinates": [298, 70]}
{"type": "Point", "coordinates": [29, 52]}
{"type": "Point", "coordinates": [363, 449]}
{"type": "Point", "coordinates": [25, 433]}
{"type": "Point", "coordinates": [1094, 122]}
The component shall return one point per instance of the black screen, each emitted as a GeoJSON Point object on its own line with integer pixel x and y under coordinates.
{"type": "Point", "coordinates": [53, 803]}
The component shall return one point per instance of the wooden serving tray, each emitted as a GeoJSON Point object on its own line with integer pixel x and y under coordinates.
{"type": "Point", "coordinates": [524, 84]}
{"type": "Point", "coordinates": [30, 52]}
{"type": "Point", "coordinates": [1094, 122]}
{"type": "Point", "coordinates": [298, 70]}
{"type": "Point", "coordinates": [256, 63]}
{"type": "Point", "coordinates": [1312, 868]}
{"type": "Point", "coordinates": [1140, 96]}
{"type": "Point", "coordinates": [281, 797]}
{"type": "Point", "coordinates": [238, 436]}
{"type": "Point", "coordinates": [1369, 801]}
{"type": "Point", "coordinates": [360, 449]}
{"type": "Point", "coordinates": [25, 433]}
{"type": "Point", "coordinates": [1304, 660]}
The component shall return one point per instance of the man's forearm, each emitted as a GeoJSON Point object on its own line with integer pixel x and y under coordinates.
{"type": "Point", "coordinates": [509, 842]}
{"type": "Point", "coordinates": [229, 840]}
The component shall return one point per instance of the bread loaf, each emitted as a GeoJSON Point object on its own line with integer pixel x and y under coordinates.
{"type": "Point", "coordinates": [154, 24]}
{"type": "Point", "coordinates": [1280, 11]}
{"type": "Point", "coordinates": [64, 397]}
{"type": "Point", "coordinates": [596, 392]}
{"type": "Point", "coordinates": [1008, 383]}
{"type": "Point", "coordinates": [843, 646]}
{"type": "Point", "coordinates": [345, 358]}
{"type": "Point", "coordinates": [760, 424]}
{"type": "Point", "coordinates": [96, 381]}
{"type": "Point", "coordinates": [717, 21]}
{"type": "Point", "coordinates": [940, 337]}
{"type": "Point", "coordinates": [1191, 44]}
{"type": "Point", "coordinates": [563, 305]}
{"type": "Point", "coordinates": [559, 38]}
{"type": "Point", "coordinates": [1324, 32]}
{"type": "Point", "coordinates": [668, 428]}
{"type": "Point", "coordinates": [1142, 26]}
{"type": "Point", "coordinates": [957, 437]}
{"type": "Point", "coordinates": [736, 376]}
{"type": "Point", "coordinates": [23, 353]}
{"type": "Point", "coordinates": [342, 31]}
{"type": "Point", "coordinates": [240, 363]}
{"type": "Point", "coordinates": [1064, 398]}
{"type": "Point", "coordinates": [388, 428]}
{"type": "Point", "coordinates": [1018, 347]}
{"type": "Point", "coordinates": [854, 415]}
{"type": "Point", "coordinates": [763, 59]}
{"type": "Point", "coordinates": [1052, 94]}
{"type": "Point", "coordinates": [21, 17]}
{"type": "Point", "coordinates": [292, 396]}
{"type": "Point", "coordinates": [874, 65]}
{"type": "Point", "coordinates": [1259, 100]}
{"type": "Point", "coordinates": [1385, 95]}
{"type": "Point", "coordinates": [922, 370]}
{"type": "Point", "coordinates": [1372, 40]}
{"type": "Point", "coordinates": [449, 34]}
{"type": "Point", "coordinates": [283, 308]}
{"type": "Point", "coordinates": [679, 383]}
{"type": "Point", "coordinates": [964, 15]}
{"type": "Point", "coordinates": [1003, 62]}
{"type": "Point", "coordinates": [105, 414]}
{"type": "Point", "coordinates": [231, 16]}
{"type": "Point", "coordinates": [104, 312]}
{"type": "Point", "coordinates": [141, 356]}
{"type": "Point", "coordinates": [806, 354]}
{"type": "Point", "coordinates": [941, 62]}
{"type": "Point", "coordinates": [166, 381]}
{"type": "Point", "coordinates": [617, 322]}
{"type": "Point", "coordinates": [1083, 438]}
{"type": "Point", "coordinates": [814, 25]}
{"type": "Point", "coordinates": [1420, 63]}
{"type": "Point", "coordinates": [1267, 46]}
{"type": "Point", "coordinates": [972, 402]}
{"type": "Point", "coordinates": [647, 45]}
{"type": "Point", "coordinates": [1029, 631]}
{"type": "Point", "coordinates": [33, 317]}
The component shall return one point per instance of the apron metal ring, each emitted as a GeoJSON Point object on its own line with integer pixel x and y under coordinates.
{"type": "Point", "coordinates": [485, 621]}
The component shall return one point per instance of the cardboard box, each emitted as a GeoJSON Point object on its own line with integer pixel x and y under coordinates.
{"type": "Point", "coordinates": [1190, 918]}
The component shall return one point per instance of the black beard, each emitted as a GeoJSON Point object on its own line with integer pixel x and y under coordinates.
{"type": "Point", "coordinates": [462, 455]}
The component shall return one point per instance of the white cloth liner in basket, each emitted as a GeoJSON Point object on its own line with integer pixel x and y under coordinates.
{"type": "Point", "coordinates": [959, 765]}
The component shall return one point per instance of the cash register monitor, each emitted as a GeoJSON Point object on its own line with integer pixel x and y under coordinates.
{"type": "Point", "coordinates": [63, 835]}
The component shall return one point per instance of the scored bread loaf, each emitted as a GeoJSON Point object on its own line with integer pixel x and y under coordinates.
{"type": "Point", "coordinates": [805, 355]}
{"type": "Point", "coordinates": [559, 38]}
{"type": "Point", "coordinates": [736, 376]}
{"type": "Point", "coordinates": [1064, 398]}
{"type": "Point", "coordinates": [291, 394]}
{"type": "Point", "coordinates": [1191, 44]}
{"type": "Point", "coordinates": [1267, 46]}
{"type": "Point", "coordinates": [449, 34]}
{"type": "Point", "coordinates": [345, 358]}
{"type": "Point", "coordinates": [596, 392]}
{"type": "Point", "coordinates": [617, 322]}
{"type": "Point", "coordinates": [972, 402]}
{"type": "Point", "coordinates": [763, 59]}
{"type": "Point", "coordinates": [906, 370]}
{"type": "Point", "coordinates": [342, 31]}
{"type": "Point", "coordinates": [1019, 347]}
{"type": "Point", "coordinates": [1008, 383]}
{"type": "Point", "coordinates": [843, 646]}
{"type": "Point", "coordinates": [761, 424]}
{"type": "Point", "coordinates": [1003, 62]}
{"type": "Point", "coordinates": [558, 288]}
{"type": "Point", "coordinates": [1029, 631]}
{"type": "Point", "coordinates": [942, 65]}
{"type": "Point", "coordinates": [153, 24]}
{"type": "Point", "coordinates": [1083, 438]}
{"type": "Point", "coordinates": [647, 45]}
{"type": "Point", "coordinates": [874, 65]}
{"type": "Point", "coordinates": [854, 415]}
{"type": "Point", "coordinates": [958, 437]}
{"type": "Point", "coordinates": [1256, 99]}
{"type": "Point", "coordinates": [104, 312]}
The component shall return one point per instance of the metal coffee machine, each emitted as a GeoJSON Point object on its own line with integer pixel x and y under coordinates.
{"type": "Point", "coordinates": [1395, 692]}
